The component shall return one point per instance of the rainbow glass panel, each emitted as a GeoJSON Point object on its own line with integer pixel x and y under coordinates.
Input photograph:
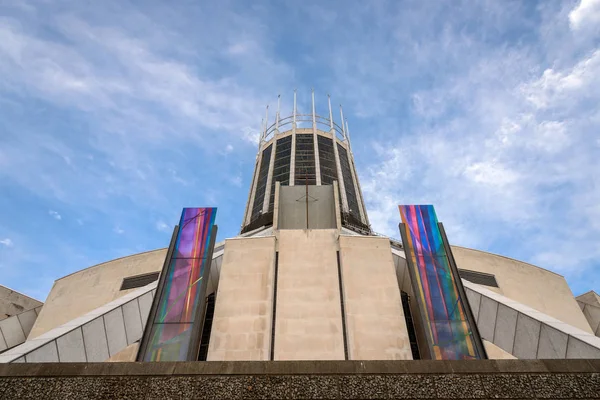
{"type": "Point", "coordinates": [447, 328]}
{"type": "Point", "coordinates": [171, 331]}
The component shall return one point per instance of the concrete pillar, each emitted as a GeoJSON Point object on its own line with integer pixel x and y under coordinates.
{"type": "Point", "coordinates": [336, 205]}
{"type": "Point", "coordinates": [270, 176]}
{"type": "Point", "coordinates": [248, 217]}
{"type": "Point", "coordinates": [241, 328]}
{"type": "Point", "coordinates": [293, 153]}
{"type": "Point", "coordinates": [276, 207]}
{"type": "Point", "coordinates": [358, 193]}
{"type": "Point", "coordinates": [338, 167]}
{"type": "Point", "coordinates": [375, 322]}
{"type": "Point", "coordinates": [316, 142]}
{"type": "Point", "coordinates": [308, 317]}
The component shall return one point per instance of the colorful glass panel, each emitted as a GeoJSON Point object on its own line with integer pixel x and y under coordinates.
{"type": "Point", "coordinates": [449, 332]}
{"type": "Point", "coordinates": [180, 298]}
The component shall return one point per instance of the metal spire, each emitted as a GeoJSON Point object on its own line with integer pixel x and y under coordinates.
{"type": "Point", "coordinates": [278, 110]}
{"type": "Point", "coordinates": [314, 116]}
{"type": "Point", "coordinates": [266, 122]}
{"type": "Point", "coordinates": [343, 125]}
{"type": "Point", "coordinates": [330, 114]}
{"type": "Point", "coordinates": [294, 108]}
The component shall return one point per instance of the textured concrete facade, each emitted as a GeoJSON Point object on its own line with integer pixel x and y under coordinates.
{"type": "Point", "coordinates": [375, 321]}
{"type": "Point", "coordinates": [486, 379]}
{"type": "Point", "coordinates": [308, 322]}
{"type": "Point", "coordinates": [88, 289]}
{"type": "Point", "coordinates": [241, 327]}
{"type": "Point", "coordinates": [532, 286]}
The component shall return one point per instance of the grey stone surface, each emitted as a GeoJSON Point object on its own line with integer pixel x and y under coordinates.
{"type": "Point", "coordinates": [487, 318]}
{"type": "Point", "coordinates": [579, 349]}
{"type": "Point", "coordinates": [29, 388]}
{"type": "Point", "coordinates": [589, 383]}
{"type": "Point", "coordinates": [145, 303]}
{"type": "Point", "coordinates": [71, 347]}
{"type": "Point", "coordinates": [133, 321]}
{"type": "Point", "coordinates": [510, 379]}
{"type": "Point", "coordinates": [94, 336]}
{"type": "Point", "coordinates": [502, 386]}
{"type": "Point", "coordinates": [553, 343]}
{"type": "Point", "coordinates": [115, 331]}
{"type": "Point", "coordinates": [474, 301]}
{"type": "Point", "coordinates": [555, 386]}
{"type": "Point", "coordinates": [45, 353]}
{"type": "Point", "coordinates": [363, 387]}
{"type": "Point", "coordinates": [526, 337]}
{"type": "Point", "coordinates": [12, 331]}
{"type": "Point", "coordinates": [506, 324]}
{"type": "Point", "coordinates": [27, 319]}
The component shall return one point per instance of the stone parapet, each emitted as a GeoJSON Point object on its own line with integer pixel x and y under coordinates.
{"type": "Point", "coordinates": [486, 379]}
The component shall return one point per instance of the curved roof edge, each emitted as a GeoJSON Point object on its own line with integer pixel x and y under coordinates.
{"type": "Point", "coordinates": [509, 258]}
{"type": "Point", "coordinates": [109, 261]}
{"type": "Point", "coordinates": [218, 244]}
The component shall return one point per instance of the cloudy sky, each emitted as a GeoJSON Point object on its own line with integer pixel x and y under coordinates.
{"type": "Point", "coordinates": [116, 114]}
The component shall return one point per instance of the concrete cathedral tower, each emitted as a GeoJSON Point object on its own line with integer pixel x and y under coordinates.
{"type": "Point", "coordinates": [314, 156]}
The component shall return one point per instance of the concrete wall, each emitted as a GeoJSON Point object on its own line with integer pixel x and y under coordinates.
{"type": "Point", "coordinates": [535, 287]}
{"type": "Point", "coordinates": [14, 330]}
{"type": "Point", "coordinates": [88, 289]}
{"type": "Point", "coordinates": [292, 207]}
{"type": "Point", "coordinates": [496, 353]}
{"type": "Point", "coordinates": [13, 303]}
{"type": "Point", "coordinates": [375, 321]}
{"type": "Point", "coordinates": [590, 306]}
{"type": "Point", "coordinates": [308, 322]}
{"type": "Point", "coordinates": [524, 332]}
{"type": "Point", "coordinates": [241, 328]}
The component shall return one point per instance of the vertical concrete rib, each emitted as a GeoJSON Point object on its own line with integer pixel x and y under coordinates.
{"type": "Point", "coordinates": [293, 152]}
{"type": "Point", "coordinates": [248, 216]}
{"type": "Point", "coordinates": [361, 208]}
{"type": "Point", "coordinates": [270, 176]}
{"type": "Point", "coordinates": [316, 142]}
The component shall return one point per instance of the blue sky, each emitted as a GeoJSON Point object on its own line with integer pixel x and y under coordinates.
{"type": "Point", "coordinates": [116, 114]}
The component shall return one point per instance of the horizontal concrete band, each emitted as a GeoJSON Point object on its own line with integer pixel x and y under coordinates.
{"type": "Point", "coordinates": [578, 366]}
{"type": "Point", "coordinates": [514, 385]}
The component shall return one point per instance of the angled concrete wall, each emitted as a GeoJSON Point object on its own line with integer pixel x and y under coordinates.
{"type": "Point", "coordinates": [241, 328]}
{"type": "Point", "coordinates": [532, 286]}
{"type": "Point", "coordinates": [308, 321]}
{"type": "Point", "coordinates": [14, 330]}
{"type": "Point", "coordinates": [375, 321]}
{"type": "Point", "coordinates": [13, 302]}
{"type": "Point", "coordinates": [85, 290]}
{"type": "Point", "coordinates": [524, 332]}
{"type": "Point", "coordinates": [590, 306]}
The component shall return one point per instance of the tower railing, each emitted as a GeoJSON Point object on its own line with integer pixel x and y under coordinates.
{"type": "Point", "coordinates": [289, 121]}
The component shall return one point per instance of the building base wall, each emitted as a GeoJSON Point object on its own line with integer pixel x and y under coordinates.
{"type": "Point", "coordinates": [241, 328]}
{"type": "Point", "coordinates": [484, 379]}
{"type": "Point", "coordinates": [374, 317]}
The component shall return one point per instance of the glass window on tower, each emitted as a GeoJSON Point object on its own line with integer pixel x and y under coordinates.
{"type": "Point", "coordinates": [327, 160]}
{"type": "Point", "coordinates": [305, 160]}
{"type": "Point", "coordinates": [281, 166]}
{"type": "Point", "coordinates": [263, 174]}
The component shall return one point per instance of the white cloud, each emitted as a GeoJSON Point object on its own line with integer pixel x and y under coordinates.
{"type": "Point", "coordinates": [54, 215]}
{"type": "Point", "coordinates": [7, 242]}
{"type": "Point", "coordinates": [163, 227]}
{"type": "Point", "coordinates": [586, 13]}
{"type": "Point", "coordinates": [118, 230]}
